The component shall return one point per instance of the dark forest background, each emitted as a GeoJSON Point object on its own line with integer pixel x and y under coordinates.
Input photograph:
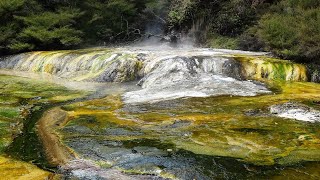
{"type": "Point", "coordinates": [288, 28]}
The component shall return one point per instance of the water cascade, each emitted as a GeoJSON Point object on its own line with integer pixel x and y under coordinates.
{"type": "Point", "coordinates": [177, 77]}
{"type": "Point", "coordinates": [97, 65]}
{"type": "Point", "coordinates": [164, 74]}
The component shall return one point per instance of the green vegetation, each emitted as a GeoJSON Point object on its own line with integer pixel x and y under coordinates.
{"type": "Point", "coordinates": [224, 42]}
{"type": "Point", "coordinates": [48, 29]}
{"type": "Point", "coordinates": [211, 22]}
{"type": "Point", "coordinates": [292, 29]}
{"type": "Point", "coordinates": [46, 25]}
{"type": "Point", "coordinates": [29, 25]}
{"type": "Point", "coordinates": [288, 28]}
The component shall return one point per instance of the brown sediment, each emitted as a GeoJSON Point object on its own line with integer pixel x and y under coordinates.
{"type": "Point", "coordinates": [57, 153]}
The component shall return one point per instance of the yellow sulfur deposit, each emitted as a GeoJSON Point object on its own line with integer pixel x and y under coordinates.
{"type": "Point", "coordinates": [16, 170]}
{"type": "Point", "coordinates": [273, 69]}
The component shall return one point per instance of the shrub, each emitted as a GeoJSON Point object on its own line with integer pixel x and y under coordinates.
{"type": "Point", "coordinates": [224, 42]}
{"type": "Point", "coordinates": [234, 18]}
{"type": "Point", "coordinates": [290, 30]}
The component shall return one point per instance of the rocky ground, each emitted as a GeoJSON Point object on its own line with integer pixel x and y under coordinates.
{"type": "Point", "coordinates": [297, 111]}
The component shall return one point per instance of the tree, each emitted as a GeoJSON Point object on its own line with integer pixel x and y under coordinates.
{"type": "Point", "coordinates": [107, 19]}
{"type": "Point", "coordinates": [48, 30]}
{"type": "Point", "coordinates": [10, 27]}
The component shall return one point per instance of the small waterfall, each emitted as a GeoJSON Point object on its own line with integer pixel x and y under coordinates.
{"type": "Point", "coordinates": [163, 74]}
{"type": "Point", "coordinates": [178, 69]}
{"type": "Point", "coordinates": [120, 65]}
{"type": "Point", "coordinates": [177, 77]}
{"type": "Point", "coordinates": [101, 66]}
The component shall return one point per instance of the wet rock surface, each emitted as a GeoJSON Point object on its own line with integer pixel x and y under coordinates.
{"type": "Point", "coordinates": [191, 77]}
{"type": "Point", "coordinates": [151, 158]}
{"type": "Point", "coordinates": [88, 170]}
{"type": "Point", "coordinates": [99, 65]}
{"type": "Point", "coordinates": [297, 111]}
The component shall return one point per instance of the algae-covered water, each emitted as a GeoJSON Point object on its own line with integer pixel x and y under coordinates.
{"type": "Point", "coordinates": [197, 114]}
{"type": "Point", "coordinates": [199, 138]}
{"type": "Point", "coordinates": [22, 101]}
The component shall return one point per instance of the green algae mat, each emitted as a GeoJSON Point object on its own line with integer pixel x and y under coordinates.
{"type": "Point", "coordinates": [19, 98]}
{"type": "Point", "coordinates": [221, 137]}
